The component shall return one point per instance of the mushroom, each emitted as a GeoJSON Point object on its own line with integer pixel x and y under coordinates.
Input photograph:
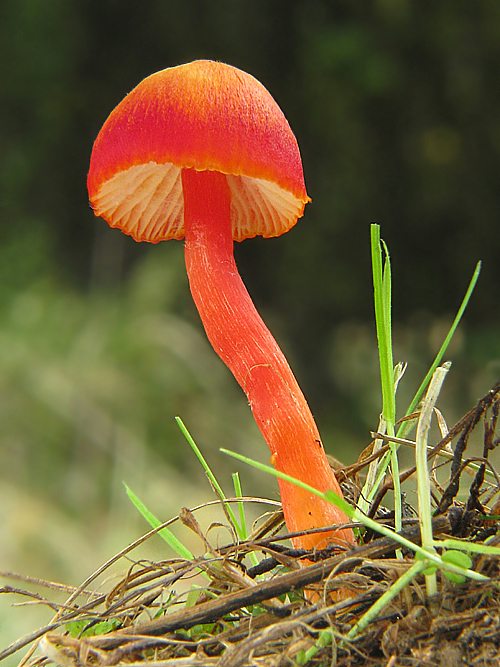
{"type": "Point", "coordinates": [203, 152]}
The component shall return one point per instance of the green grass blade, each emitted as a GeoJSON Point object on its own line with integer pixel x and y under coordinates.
{"type": "Point", "coordinates": [208, 472]}
{"type": "Point", "coordinates": [382, 294]}
{"type": "Point", "coordinates": [242, 527]}
{"type": "Point", "coordinates": [423, 480]}
{"type": "Point", "coordinates": [382, 303]}
{"type": "Point", "coordinates": [406, 427]}
{"type": "Point", "coordinates": [465, 545]}
{"type": "Point", "coordinates": [164, 533]}
{"type": "Point", "coordinates": [241, 510]}
{"type": "Point", "coordinates": [385, 598]}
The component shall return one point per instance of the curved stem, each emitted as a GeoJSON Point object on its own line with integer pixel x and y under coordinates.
{"type": "Point", "coordinates": [242, 340]}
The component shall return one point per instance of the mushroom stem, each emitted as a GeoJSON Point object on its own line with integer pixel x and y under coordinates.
{"type": "Point", "coordinates": [242, 340]}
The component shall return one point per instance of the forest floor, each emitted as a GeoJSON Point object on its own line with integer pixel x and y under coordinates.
{"type": "Point", "coordinates": [256, 603]}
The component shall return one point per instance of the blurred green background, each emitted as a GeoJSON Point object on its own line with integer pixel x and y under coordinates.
{"type": "Point", "coordinates": [396, 107]}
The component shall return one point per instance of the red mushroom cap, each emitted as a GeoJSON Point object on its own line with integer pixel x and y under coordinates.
{"type": "Point", "coordinates": [203, 115]}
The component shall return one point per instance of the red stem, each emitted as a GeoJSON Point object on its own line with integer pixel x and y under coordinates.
{"type": "Point", "coordinates": [242, 340]}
